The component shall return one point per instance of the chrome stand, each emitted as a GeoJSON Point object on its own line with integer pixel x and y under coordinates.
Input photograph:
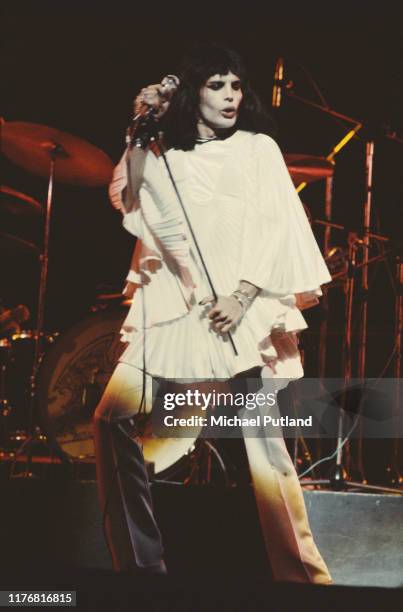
{"type": "Point", "coordinates": [36, 436]}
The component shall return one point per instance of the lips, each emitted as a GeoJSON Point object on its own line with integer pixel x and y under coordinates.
{"type": "Point", "coordinates": [228, 112]}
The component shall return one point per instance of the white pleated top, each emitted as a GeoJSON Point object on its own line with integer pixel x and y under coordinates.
{"type": "Point", "coordinates": [250, 225]}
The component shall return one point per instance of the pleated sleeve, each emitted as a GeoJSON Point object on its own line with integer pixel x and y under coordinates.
{"type": "Point", "coordinates": [279, 252]}
{"type": "Point", "coordinates": [118, 184]}
{"type": "Point", "coordinates": [160, 260]}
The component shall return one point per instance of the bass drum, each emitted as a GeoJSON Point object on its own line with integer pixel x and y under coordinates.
{"type": "Point", "coordinates": [72, 378]}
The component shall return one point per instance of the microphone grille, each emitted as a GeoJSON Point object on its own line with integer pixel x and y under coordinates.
{"type": "Point", "coordinates": [170, 82]}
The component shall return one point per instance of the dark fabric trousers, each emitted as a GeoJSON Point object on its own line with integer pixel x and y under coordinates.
{"type": "Point", "coordinates": [132, 533]}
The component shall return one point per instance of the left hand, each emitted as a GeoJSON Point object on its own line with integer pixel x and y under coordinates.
{"type": "Point", "coordinates": [225, 313]}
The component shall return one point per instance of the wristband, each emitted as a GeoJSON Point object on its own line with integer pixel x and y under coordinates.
{"type": "Point", "coordinates": [244, 295]}
{"type": "Point", "coordinates": [240, 301]}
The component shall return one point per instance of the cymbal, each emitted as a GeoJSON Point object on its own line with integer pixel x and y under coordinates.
{"type": "Point", "coordinates": [11, 245]}
{"type": "Point", "coordinates": [17, 203]}
{"type": "Point", "coordinates": [78, 162]}
{"type": "Point", "coordinates": [307, 168]}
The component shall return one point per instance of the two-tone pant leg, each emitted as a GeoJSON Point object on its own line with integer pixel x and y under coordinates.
{"type": "Point", "coordinates": [283, 517]}
{"type": "Point", "coordinates": [131, 530]}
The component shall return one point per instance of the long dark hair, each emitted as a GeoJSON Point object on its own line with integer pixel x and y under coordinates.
{"type": "Point", "coordinates": [179, 124]}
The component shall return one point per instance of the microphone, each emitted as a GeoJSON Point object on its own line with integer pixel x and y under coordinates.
{"type": "Point", "coordinates": [278, 83]}
{"type": "Point", "coordinates": [170, 84]}
{"type": "Point", "coordinates": [144, 111]}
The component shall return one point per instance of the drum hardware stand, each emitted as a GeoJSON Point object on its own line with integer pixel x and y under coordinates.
{"type": "Point", "coordinates": [326, 249]}
{"type": "Point", "coordinates": [328, 225]}
{"type": "Point", "coordinates": [55, 151]}
{"type": "Point", "coordinates": [337, 479]}
{"type": "Point", "coordinates": [5, 406]}
{"type": "Point", "coordinates": [339, 473]}
{"type": "Point", "coordinates": [365, 242]}
{"type": "Point", "coordinates": [323, 330]}
{"type": "Point", "coordinates": [396, 476]}
{"type": "Point", "coordinates": [362, 343]}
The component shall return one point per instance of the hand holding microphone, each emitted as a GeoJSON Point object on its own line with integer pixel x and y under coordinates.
{"type": "Point", "coordinates": [155, 99]}
{"type": "Point", "coordinates": [149, 106]}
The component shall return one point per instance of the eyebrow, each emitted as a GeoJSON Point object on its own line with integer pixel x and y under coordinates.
{"type": "Point", "coordinates": [222, 81]}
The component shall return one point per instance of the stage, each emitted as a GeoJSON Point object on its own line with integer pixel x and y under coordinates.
{"type": "Point", "coordinates": [330, 79]}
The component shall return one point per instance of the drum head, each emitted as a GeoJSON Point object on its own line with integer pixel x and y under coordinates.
{"type": "Point", "coordinates": [72, 378]}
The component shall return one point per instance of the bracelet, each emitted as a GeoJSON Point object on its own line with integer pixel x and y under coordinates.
{"type": "Point", "coordinates": [240, 301]}
{"type": "Point", "coordinates": [245, 294]}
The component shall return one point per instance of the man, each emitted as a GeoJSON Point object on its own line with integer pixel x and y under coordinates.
{"type": "Point", "coordinates": [252, 240]}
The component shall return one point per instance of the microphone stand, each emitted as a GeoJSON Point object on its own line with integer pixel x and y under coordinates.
{"type": "Point", "coordinates": [141, 136]}
{"type": "Point", "coordinates": [142, 133]}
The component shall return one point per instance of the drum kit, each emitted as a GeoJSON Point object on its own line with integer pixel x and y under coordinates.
{"type": "Point", "coordinates": [48, 153]}
{"type": "Point", "coordinates": [53, 382]}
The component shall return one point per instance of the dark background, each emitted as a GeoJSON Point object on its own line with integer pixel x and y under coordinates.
{"type": "Point", "coordinates": [77, 66]}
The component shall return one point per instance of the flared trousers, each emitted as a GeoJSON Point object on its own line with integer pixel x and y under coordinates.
{"type": "Point", "coordinates": [132, 532]}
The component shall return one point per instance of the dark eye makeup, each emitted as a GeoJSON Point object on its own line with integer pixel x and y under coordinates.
{"type": "Point", "coordinates": [216, 85]}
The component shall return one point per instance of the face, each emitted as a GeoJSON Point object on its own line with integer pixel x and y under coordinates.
{"type": "Point", "coordinates": [220, 98]}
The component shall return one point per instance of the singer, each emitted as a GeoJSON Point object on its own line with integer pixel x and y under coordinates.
{"type": "Point", "coordinates": [258, 248]}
